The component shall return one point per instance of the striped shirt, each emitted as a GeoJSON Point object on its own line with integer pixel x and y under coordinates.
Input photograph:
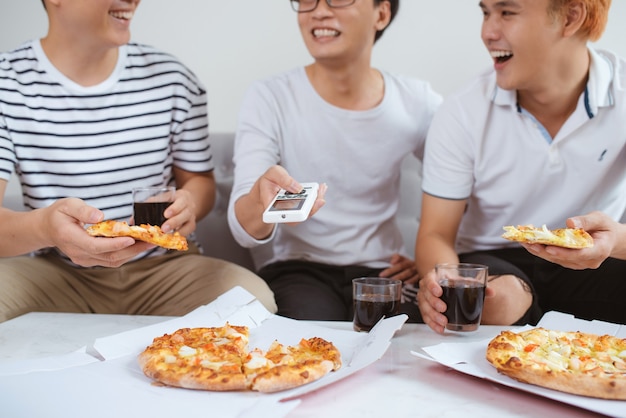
{"type": "Point", "coordinates": [97, 143]}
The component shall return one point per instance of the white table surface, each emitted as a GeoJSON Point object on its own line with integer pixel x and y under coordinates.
{"type": "Point", "coordinates": [397, 385]}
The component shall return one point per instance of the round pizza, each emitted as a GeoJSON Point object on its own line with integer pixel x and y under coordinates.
{"type": "Point", "coordinates": [218, 359]}
{"type": "Point", "coordinates": [573, 362]}
{"type": "Point", "coordinates": [562, 237]}
{"type": "Point", "coordinates": [144, 232]}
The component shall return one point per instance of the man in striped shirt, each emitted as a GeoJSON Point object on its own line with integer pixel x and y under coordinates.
{"type": "Point", "coordinates": [85, 116]}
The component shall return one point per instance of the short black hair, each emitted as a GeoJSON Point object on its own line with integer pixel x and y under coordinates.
{"type": "Point", "coordinates": [394, 5]}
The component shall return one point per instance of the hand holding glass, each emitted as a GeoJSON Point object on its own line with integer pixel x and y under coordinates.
{"type": "Point", "coordinates": [149, 203]}
{"type": "Point", "coordinates": [464, 294]}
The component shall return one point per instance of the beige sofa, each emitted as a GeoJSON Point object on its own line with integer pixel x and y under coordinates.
{"type": "Point", "coordinates": [214, 234]}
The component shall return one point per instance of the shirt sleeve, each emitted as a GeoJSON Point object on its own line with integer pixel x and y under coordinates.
{"type": "Point", "coordinates": [257, 148]}
{"type": "Point", "coordinates": [448, 157]}
{"type": "Point", "coordinates": [432, 102]}
{"type": "Point", "coordinates": [190, 127]}
{"type": "Point", "coordinates": [7, 151]}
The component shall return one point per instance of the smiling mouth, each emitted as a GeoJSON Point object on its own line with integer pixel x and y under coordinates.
{"type": "Point", "coordinates": [501, 56]}
{"type": "Point", "coordinates": [123, 15]}
{"type": "Point", "coordinates": [325, 33]}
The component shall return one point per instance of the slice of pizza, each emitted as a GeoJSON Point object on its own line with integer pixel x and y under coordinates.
{"type": "Point", "coordinates": [563, 237]}
{"type": "Point", "coordinates": [286, 367]}
{"type": "Point", "coordinates": [144, 232]}
{"type": "Point", "coordinates": [198, 358]}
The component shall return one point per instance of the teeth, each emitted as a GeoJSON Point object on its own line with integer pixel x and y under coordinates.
{"type": "Point", "coordinates": [325, 32]}
{"type": "Point", "coordinates": [501, 54]}
{"type": "Point", "coordinates": [122, 15]}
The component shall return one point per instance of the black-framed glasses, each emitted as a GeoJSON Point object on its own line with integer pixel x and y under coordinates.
{"type": "Point", "coordinates": [303, 6]}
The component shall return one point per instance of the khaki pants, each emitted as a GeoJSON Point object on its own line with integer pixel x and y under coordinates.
{"type": "Point", "coordinates": [173, 284]}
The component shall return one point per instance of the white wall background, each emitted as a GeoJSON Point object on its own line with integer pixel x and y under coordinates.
{"type": "Point", "coordinates": [230, 43]}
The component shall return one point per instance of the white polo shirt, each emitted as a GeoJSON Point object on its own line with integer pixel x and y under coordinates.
{"type": "Point", "coordinates": [483, 147]}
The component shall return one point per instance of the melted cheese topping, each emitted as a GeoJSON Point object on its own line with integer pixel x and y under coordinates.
{"type": "Point", "coordinates": [561, 351]}
{"type": "Point", "coordinates": [257, 360]}
{"type": "Point", "coordinates": [186, 351]}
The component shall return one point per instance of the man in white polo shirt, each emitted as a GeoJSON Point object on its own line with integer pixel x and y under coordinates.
{"type": "Point", "coordinates": [538, 139]}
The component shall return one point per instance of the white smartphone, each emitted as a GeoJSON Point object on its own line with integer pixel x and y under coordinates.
{"type": "Point", "coordinates": [291, 207]}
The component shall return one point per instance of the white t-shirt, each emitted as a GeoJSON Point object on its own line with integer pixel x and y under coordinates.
{"type": "Point", "coordinates": [484, 148]}
{"type": "Point", "coordinates": [356, 153]}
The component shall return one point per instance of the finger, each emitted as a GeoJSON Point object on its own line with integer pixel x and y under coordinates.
{"type": "Point", "coordinates": [406, 275]}
{"type": "Point", "coordinates": [432, 298]}
{"type": "Point", "coordinates": [389, 271]}
{"type": "Point", "coordinates": [317, 206]}
{"type": "Point", "coordinates": [110, 258]}
{"type": "Point", "coordinates": [180, 206]}
{"type": "Point", "coordinates": [435, 326]}
{"type": "Point", "coordinates": [430, 309]}
{"type": "Point", "coordinates": [437, 320]}
{"type": "Point", "coordinates": [490, 292]}
{"type": "Point", "coordinates": [183, 222]}
{"type": "Point", "coordinates": [414, 280]}
{"type": "Point", "coordinates": [79, 210]}
{"type": "Point", "coordinates": [436, 303]}
{"type": "Point", "coordinates": [121, 257]}
{"type": "Point", "coordinates": [321, 192]}
{"type": "Point", "coordinates": [278, 175]}
{"type": "Point", "coordinates": [430, 316]}
{"type": "Point", "coordinates": [107, 245]}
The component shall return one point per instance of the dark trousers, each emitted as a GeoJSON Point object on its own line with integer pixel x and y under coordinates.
{"type": "Point", "coordinates": [587, 294]}
{"type": "Point", "coordinates": [315, 291]}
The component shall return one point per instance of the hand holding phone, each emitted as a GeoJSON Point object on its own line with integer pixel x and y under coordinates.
{"type": "Point", "coordinates": [291, 207]}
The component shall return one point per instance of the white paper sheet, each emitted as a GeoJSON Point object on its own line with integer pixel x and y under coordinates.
{"type": "Point", "coordinates": [76, 358]}
{"type": "Point", "coordinates": [116, 387]}
{"type": "Point", "coordinates": [469, 358]}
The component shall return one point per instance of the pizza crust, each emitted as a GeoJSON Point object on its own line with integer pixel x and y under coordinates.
{"type": "Point", "coordinates": [591, 365]}
{"type": "Point", "coordinates": [190, 378]}
{"type": "Point", "coordinates": [285, 376]}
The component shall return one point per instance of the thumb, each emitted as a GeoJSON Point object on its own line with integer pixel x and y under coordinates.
{"type": "Point", "coordinates": [575, 222]}
{"type": "Point", "coordinates": [82, 212]}
{"type": "Point", "coordinates": [93, 215]}
{"type": "Point", "coordinates": [587, 222]}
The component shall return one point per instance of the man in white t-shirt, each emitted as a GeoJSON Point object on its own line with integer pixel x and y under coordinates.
{"type": "Point", "coordinates": [539, 139]}
{"type": "Point", "coordinates": [347, 126]}
{"type": "Point", "coordinates": [85, 116]}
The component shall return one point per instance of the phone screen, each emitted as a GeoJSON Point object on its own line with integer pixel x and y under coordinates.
{"type": "Point", "coordinates": [287, 204]}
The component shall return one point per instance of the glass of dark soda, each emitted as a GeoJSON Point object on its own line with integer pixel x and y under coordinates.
{"type": "Point", "coordinates": [463, 287]}
{"type": "Point", "coordinates": [374, 298]}
{"type": "Point", "coordinates": [149, 203]}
